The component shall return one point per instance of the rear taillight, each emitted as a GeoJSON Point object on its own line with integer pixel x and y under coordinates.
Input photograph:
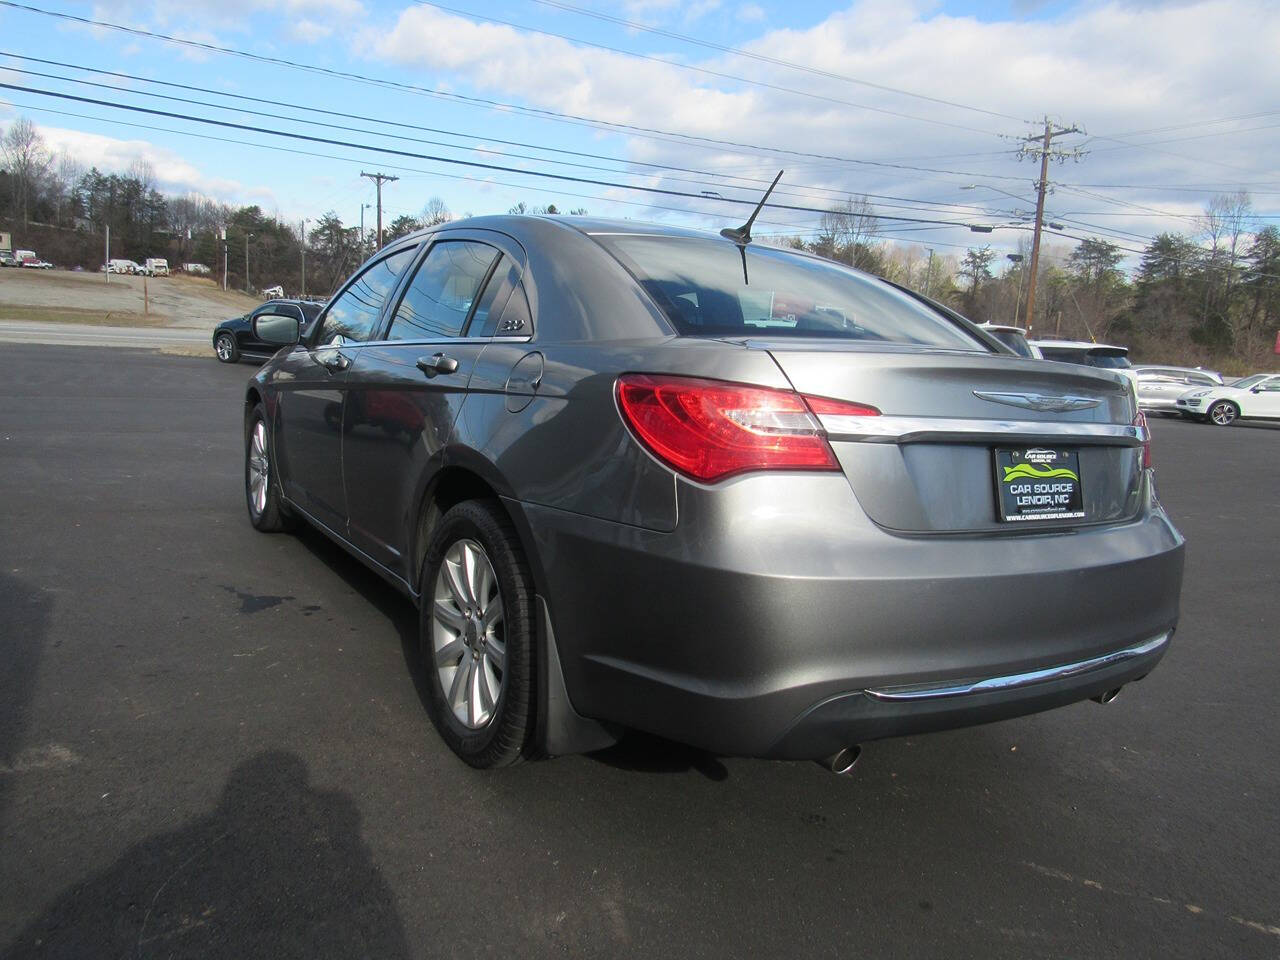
{"type": "Point", "coordinates": [709, 429]}
{"type": "Point", "coordinates": [1140, 421]}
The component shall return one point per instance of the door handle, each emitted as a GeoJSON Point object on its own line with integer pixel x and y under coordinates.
{"type": "Point", "coordinates": [335, 363]}
{"type": "Point", "coordinates": [437, 363]}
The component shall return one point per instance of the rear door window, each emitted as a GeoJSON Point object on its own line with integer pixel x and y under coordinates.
{"type": "Point", "coordinates": [443, 291]}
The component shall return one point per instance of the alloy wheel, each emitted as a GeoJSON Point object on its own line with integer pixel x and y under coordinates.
{"type": "Point", "coordinates": [467, 634]}
{"type": "Point", "coordinates": [259, 468]}
{"type": "Point", "coordinates": [224, 349]}
{"type": "Point", "coordinates": [1223, 414]}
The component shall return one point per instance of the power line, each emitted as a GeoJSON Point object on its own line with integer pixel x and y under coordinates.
{"type": "Point", "coordinates": [702, 142]}
{"type": "Point", "coordinates": [762, 58]}
{"type": "Point", "coordinates": [696, 69]}
{"type": "Point", "coordinates": [437, 159]}
{"type": "Point", "coordinates": [839, 194]}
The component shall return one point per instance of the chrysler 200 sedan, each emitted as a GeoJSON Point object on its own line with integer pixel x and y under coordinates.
{"type": "Point", "coordinates": [645, 478]}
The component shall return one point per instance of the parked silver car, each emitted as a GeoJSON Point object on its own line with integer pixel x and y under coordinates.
{"type": "Point", "coordinates": [738, 496]}
{"type": "Point", "coordinates": [1159, 387]}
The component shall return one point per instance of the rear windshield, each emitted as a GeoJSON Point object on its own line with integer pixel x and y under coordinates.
{"type": "Point", "coordinates": [699, 284]}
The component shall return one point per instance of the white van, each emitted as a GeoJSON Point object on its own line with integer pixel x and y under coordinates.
{"type": "Point", "coordinates": [121, 266]}
{"type": "Point", "coordinates": [156, 267]}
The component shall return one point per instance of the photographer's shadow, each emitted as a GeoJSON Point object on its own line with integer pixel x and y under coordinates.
{"type": "Point", "coordinates": [278, 869]}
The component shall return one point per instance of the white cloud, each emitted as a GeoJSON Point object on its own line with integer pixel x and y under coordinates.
{"type": "Point", "coordinates": [1111, 66]}
{"type": "Point", "coordinates": [174, 173]}
{"type": "Point", "coordinates": [751, 13]}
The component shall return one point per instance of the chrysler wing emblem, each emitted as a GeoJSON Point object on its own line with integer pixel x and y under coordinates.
{"type": "Point", "coordinates": [1036, 401]}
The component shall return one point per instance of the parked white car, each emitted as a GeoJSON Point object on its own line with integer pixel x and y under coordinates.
{"type": "Point", "coordinates": [199, 269]}
{"type": "Point", "coordinates": [273, 292]}
{"type": "Point", "coordinates": [1256, 397]}
{"type": "Point", "coordinates": [122, 266]}
{"type": "Point", "coordinates": [1160, 387]}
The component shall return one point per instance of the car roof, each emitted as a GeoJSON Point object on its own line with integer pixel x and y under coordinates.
{"type": "Point", "coordinates": [1172, 366]}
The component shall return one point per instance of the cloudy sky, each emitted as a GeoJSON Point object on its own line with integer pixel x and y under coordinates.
{"type": "Point", "coordinates": [920, 106]}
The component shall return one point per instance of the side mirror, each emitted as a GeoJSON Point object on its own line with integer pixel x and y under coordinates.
{"type": "Point", "coordinates": [1255, 389]}
{"type": "Point", "coordinates": [277, 329]}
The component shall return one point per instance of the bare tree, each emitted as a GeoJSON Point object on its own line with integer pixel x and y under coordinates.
{"type": "Point", "coordinates": [435, 211]}
{"type": "Point", "coordinates": [66, 174]}
{"type": "Point", "coordinates": [27, 159]}
{"type": "Point", "coordinates": [847, 233]}
{"type": "Point", "coordinates": [1224, 227]}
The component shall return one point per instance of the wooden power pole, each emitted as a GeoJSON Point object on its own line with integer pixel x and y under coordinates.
{"type": "Point", "coordinates": [379, 179]}
{"type": "Point", "coordinates": [1041, 145]}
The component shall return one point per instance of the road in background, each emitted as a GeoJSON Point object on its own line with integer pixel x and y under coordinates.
{"type": "Point", "coordinates": [94, 335]}
{"type": "Point", "coordinates": [213, 744]}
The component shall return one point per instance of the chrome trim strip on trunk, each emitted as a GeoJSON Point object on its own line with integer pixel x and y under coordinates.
{"type": "Point", "coordinates": [934, 691]}
{"type": "Point", "coordinates": [891, 429]}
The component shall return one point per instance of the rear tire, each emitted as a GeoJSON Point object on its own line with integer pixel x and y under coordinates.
{"type": "Point", "coordinates": [267, 511]}
{"type": "Point", "coordinates": [476, 636]}
{"type": "Point", "coordinates": [225, 347]}
{"type": "Point", "coordinates": [1223, 413]}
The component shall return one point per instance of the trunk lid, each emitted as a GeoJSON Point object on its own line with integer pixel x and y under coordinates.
{"type": "Point", "coordinates": [929, 462]}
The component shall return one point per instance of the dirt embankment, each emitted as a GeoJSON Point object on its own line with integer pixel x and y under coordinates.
{"type": "Point", "coordinates": [69, 297]}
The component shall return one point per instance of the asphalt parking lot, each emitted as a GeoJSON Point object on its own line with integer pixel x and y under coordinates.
{"type": "Point", "coordinates": [212, 744]}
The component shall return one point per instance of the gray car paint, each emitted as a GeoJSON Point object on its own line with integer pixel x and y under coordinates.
{"type": "Point", "coordinates": [731, 615]}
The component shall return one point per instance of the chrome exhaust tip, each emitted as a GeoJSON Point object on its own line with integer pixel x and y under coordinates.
{"type": "Point", "coordinates": [1108, 696]}
{"type": "Point", "coordinates": [842, 761]}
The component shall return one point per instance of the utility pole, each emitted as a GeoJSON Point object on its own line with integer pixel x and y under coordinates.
{"type": "Point", "coordinates": [304, 258]}
{"type": "Point", "coordinates": [1041, 145]}
{"type": "Point", "coordinates": [106, 264]}
{"type": "Point", "coordinates": [223, 236]}
{"type": "Point", "coordinates": [928, 273]}
{"type": "Point", "coordinates": [379, 179]}
{"type": "Point", "coordinates": [247, 238]}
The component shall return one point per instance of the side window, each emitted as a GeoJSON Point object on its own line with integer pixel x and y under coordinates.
{"type": "Point", "coordinates": [1270, 386]}
{"type": "Point", "coordinates": [353, 316]}
{"type": "Point", "coordinates": [442, 292]}
{"type": "Point", "coordinates": [1200, 380]}
{"type": "Point", "coordinates": [495, 301]}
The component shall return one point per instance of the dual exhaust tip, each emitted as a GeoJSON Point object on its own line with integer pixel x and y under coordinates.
{"type": "Point", "coordinates": [843, 761]}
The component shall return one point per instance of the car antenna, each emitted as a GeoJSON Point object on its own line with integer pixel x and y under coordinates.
{"type": "Point", "coordinates": [742, 235]}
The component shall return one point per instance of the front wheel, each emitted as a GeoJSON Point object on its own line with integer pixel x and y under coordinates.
{"type": "Point", "coordinates": [1223, 413]}
{"type": "Point", "coordinates": [225, 348]}
{"type": "Point", "coordinates": [261, 489]}
{"type": "Point", "coordinates": [476, 635]}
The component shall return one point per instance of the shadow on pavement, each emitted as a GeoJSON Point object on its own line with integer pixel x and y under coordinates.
{"type": "Point", "coordinates": [278, 869]}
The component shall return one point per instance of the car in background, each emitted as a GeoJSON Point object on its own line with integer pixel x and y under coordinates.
{"type": "Point", "coordinates": [641, 477]}
{"type": "Point", "coordinates": [123, 266]}
{"type": "Point", "coordinates": [7, 259]}
{"type": "Point", "coordinates": [234, 338]}
{"type": "Point", "coordinates": [36, 263]}
{"type": "Point", "coordinates": [1015, 338]}
{"type": "Point", "coordinates": [275, 292]}
{"type": "Point", "coordinates": [1256, 397]}
{"type": "Point", "coordinates": [1160, 387]}
{"type": "Point", "coordinates": [155, 267]}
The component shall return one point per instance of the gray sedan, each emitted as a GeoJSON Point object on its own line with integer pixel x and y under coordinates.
{"type": "Point", "coordinates": [636, 477]}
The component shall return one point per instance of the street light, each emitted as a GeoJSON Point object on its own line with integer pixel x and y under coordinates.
{"type": "Point", "coordinates": [1017, 306]}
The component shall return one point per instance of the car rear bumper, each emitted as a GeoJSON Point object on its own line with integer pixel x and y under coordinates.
{"type": "Point", "coordinates": [775, 617]}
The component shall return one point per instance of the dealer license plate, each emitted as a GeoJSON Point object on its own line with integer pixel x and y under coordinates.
{"type": "Point", "coordinates": [1039, 483]}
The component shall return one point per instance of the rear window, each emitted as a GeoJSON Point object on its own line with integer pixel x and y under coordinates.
{"type": "Point", "coordinates": [699, 284]}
